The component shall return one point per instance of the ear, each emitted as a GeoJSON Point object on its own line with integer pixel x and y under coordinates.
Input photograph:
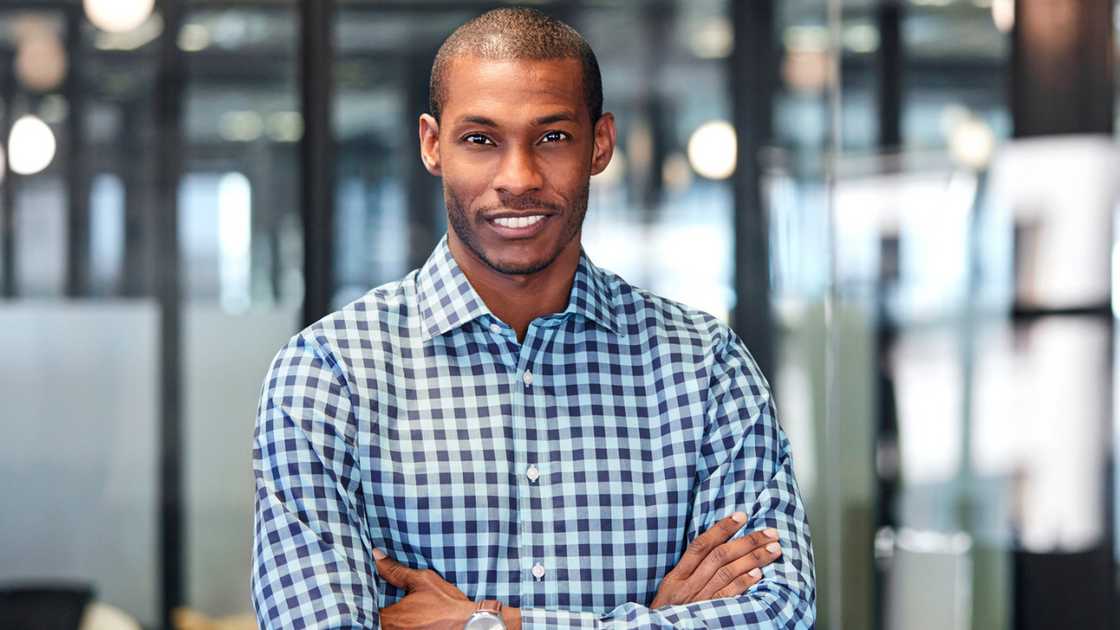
{"type": "Point", "coordinates": [604, 143]}
{"type": "Point", "coordinates": [429, 144]}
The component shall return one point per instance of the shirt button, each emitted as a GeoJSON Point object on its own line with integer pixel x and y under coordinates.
{"type": "Point", "coordinates": [533, 473]}
{"type": "Point", "coordinates": [538, 571]}
{"type": "Point", "coordinates": [527, 377]}
{"type": "Point", "coordinates": [494, 328]}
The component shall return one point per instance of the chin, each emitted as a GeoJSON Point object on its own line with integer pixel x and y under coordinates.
{"type": "Point", "coordinates": [520, 267]}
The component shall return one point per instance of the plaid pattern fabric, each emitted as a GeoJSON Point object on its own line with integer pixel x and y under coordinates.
{"type": "Point", "coordinates": [564, 475]}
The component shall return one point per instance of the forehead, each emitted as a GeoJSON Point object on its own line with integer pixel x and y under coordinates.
{"type": "Point", "coordinates": [478, 86]}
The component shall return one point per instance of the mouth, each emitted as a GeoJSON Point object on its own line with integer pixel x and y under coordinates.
{"type": "Point", "coordinates": [517, 227]}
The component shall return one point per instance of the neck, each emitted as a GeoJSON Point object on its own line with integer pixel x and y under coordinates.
{"type": "Point", "coordinates": [519, 299]}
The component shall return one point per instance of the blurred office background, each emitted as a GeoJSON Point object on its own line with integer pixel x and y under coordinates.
{"type": "Point", "coordinates": [905, 207]}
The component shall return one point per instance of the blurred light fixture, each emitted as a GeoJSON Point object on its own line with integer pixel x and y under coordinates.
{"type": "Point", "coordinates": [193, 38]}
{"type": "Point", "coordinates": [285, 126]}
{"type": "Point", "coordinates": [243, 126]}
{"type": "Point", "coordinates": [675, 173]}
{"type": "Point", "coordinates": [131, 39]}
{"type": "Point", "coordinates": [861, 37]}
{"type": "Point", "coordinates": [230, 30]}
{"type": "Point", "coordinates": [1003, 15]}
{"type": "Point", "coordinates": [712, 148]}
{"type": "Point", "coordinates": [805, 37]}
{"type": "Point", "coordinates": [118, 16]}
{"type": "Point", "coordinates": [40, 60]}
{"type": "Point", "coordinates": [31, 146]}
{"type": "Point", "coordinates": [972, 143]}
{"type": "Point", "coordinates": [951, 115]}
{"type": "Point", "coordinates": [712, 38]}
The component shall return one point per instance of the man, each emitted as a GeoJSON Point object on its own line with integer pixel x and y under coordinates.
{"type": "Point", "coordinates": [512, 425]}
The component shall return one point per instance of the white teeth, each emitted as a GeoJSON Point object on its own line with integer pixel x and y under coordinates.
{"type": "Point", "coordinates": [518, 222]}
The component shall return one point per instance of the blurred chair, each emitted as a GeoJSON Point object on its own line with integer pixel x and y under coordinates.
{"type": "Point", "coordinates": [59, 606]}
{"type": "Point", "coordinates": [44, 606]}
{"type": "Point", "coordinates": [101, 616]}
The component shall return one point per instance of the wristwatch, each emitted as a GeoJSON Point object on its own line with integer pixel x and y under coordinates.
{"type": "Point", "coordinates": [487, 617]}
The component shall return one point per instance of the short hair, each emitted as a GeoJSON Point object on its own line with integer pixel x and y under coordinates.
{"type": "Point", "coordinates": [516, 33]}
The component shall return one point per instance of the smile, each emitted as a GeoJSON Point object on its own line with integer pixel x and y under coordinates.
{"type": "Point", "coordinates": [518, 228]}
{"type": "Point", "coordinates": [519, 222]}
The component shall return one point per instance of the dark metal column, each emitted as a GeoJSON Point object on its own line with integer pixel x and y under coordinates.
{"type": "Point", "coordinates": [135, 173]}
{"type": "Point", "coordinates": [890, 65]}
{"type": "Point", "coordinates": [317, 156]}
{"type": "Point", "coordinates": [752, 77]}
{"type": "Point", "coordinates": [78, 258]}
{"type": "Point", "coordinates": [7, 188]}
{"type": "Point", "coordinates": [170, 84]}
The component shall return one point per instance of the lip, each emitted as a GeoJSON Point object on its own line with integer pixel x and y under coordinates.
{"type": "Point", "coordinates": [528, 231]}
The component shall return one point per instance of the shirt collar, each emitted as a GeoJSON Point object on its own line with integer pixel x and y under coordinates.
{"type": "Point", "coordinates": [447, 300]}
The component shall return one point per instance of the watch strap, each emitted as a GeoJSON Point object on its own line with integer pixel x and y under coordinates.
{"type": "Point", "coordinates": [490, 605]}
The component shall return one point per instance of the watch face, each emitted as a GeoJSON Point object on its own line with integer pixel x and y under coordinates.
{"type": "Point", "coordinates": [485, 621]}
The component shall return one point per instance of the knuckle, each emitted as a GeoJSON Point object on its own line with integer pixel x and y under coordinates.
{"type": "Point", "coordinates": [724, 575]}
{"type": "Point", "coordinates": [760, 557]}
{"type": "Point", "coordinates": [721, 554]}
{"type": "Point", "coordinates": [699, 546]}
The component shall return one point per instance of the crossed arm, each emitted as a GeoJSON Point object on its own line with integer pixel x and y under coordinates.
{"type": "Point", "coordinates": [314, 564]}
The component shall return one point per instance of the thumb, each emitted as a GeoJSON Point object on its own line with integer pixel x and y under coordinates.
{"type": "Point", "coordinates": [392, 571]}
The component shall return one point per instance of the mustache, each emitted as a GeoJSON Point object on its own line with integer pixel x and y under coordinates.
{"type": "Point", "coordinates": [524, 202]}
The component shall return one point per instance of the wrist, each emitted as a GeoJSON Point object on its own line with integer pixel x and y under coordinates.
{"type": "Point", "coordinates": [511, 617]}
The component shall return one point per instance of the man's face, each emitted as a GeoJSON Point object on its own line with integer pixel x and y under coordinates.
{"type": "Point", "coordinates": [516, 149]}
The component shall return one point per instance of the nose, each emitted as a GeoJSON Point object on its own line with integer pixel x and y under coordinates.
{"type": "Point", "coordinates": [517, 173]}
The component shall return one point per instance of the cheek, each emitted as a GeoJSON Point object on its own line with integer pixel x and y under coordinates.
{"type": "Point", "coordinates": [467, 184]}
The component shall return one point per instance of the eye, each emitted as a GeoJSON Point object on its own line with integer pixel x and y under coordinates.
{"type": "Point", "coordinates": [555, 136]}
{"type": "Point", "coordinates": [477, 138]}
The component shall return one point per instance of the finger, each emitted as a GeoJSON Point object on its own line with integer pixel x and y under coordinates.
{"type": "Point", "coordinates": [754, 550]}
{"type": "Point", "coordinates": [703, 544]}
{"type": "Point", "coordinates": [394, 572]}
{"type": "Point", "coordinates": [739, 585]}
{"type": "Point", "coordinates": [755, 559]}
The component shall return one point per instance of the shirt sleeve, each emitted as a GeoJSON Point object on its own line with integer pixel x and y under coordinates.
{"type": "Point", "coordinates": [744, 464]}
{"type": "Point", "coordinates": [312, 556]}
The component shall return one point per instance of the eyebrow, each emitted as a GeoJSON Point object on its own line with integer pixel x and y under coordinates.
{"type": "Point", "coordinates": [536, 122]}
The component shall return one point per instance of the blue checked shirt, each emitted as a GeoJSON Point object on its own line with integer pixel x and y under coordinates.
{"type": "Point", "coordinates": [564, 475]}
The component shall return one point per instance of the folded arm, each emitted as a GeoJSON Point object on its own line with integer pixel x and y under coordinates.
{"type": "Point", "coordinates": [312, 557]}
{"type": "Point", "coordinates": [745, 465]}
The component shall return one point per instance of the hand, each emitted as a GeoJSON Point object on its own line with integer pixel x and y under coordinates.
{"type": "Point", "coordinates": [432, 603]}
{"type": "Point", "coordinates": [712, 568]}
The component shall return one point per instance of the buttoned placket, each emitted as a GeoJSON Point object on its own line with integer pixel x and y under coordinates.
{"type": "Point", "coordinates": [531, 419]}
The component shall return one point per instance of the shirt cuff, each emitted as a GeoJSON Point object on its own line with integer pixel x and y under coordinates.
{"type": "Point", "coordinates": [542, 619]}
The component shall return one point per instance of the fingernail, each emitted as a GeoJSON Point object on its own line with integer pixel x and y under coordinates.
{"type": "Point", "coordinates": [739, 517]}
{"type": "Point", "coordinates": [754, 572]}
{"type": "Point", "coordinates": [378, 554]}
{"type": "Point", "coordinates": [771, 533]}
{"type": "Point", "coordinates": [773, 547]}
